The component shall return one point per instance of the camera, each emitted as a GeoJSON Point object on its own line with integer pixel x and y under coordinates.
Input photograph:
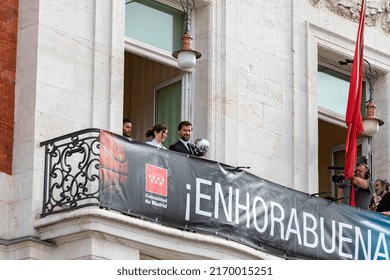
{"type": "Point", "coordinates": [338, 178]}
{"type": "Point", "coordinates": [340, 181]}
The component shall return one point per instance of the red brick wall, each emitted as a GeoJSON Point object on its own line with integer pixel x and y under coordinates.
{"type": "Point", "coordinates": [8, 34]}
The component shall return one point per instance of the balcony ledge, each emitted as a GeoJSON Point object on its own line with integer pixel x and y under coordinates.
{"type": "Point", "coordinates": [149, 238]}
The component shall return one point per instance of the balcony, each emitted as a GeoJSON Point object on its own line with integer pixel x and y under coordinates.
{"type": "Point", "coordinates": [77, 219]}
{"type": "Point", "coordinates": [109, 192]}
{"type": "Point", "coordinates": [71, 172]}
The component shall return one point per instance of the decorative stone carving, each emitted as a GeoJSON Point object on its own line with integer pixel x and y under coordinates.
{"type": "Point", "coordinates": [350, 9]}
{"type": "Point", "coordinates": [316, 3]}
{"type": "Point", "coordinates": [386, 17]}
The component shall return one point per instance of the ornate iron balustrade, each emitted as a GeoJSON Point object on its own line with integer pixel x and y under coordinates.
{"type": "Point", "coordinates": [71, 171]}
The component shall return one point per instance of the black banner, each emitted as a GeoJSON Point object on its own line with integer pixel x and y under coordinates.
{"type": "Point", "coordinates": [200, 195]}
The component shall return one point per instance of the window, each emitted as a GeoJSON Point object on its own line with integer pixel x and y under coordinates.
{"type": "Point", "coordinates": [332, 96]}
{"type": "Point", "coordinates": [338, 159]}
{"type": "Point", "coordinates": [332, 90]}
{"type": "Point", "coordinates": [169, 96]}
{"type": "Point", "coordinates": [154, 23]}
{"type": "Point", "coordinates": [153, 83]}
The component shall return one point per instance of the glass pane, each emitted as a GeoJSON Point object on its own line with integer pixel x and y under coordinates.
{"type": "Point", "coordinates": [168, 110]}
{"type": "Point", "coordinates": [339, 158]}
{"type": "Point", "coordinates": [333, 88]}
{"type": "Point", "coordinates": [154, 23]}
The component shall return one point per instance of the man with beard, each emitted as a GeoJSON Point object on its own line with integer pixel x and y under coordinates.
{"type": "Point", "coordinates": [127, 127]}
{"type": "Point", "coordinates": [183, 145]}
{"type": "Point", "coordinates": [382, 191]}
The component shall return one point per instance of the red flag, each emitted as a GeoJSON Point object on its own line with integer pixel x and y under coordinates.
{"type": "Point", "coordinates": [353, 116]}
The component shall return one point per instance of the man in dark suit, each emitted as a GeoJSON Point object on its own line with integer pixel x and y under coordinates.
{"type": "Point", "coordinates": [183, 145]}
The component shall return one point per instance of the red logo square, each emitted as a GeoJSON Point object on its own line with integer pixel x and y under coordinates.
{"type": "Point", "coordinates": [156, 180]}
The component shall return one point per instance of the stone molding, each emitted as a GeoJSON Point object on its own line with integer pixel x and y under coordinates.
{"type": "Point", "coordinates": [149, 238]}
{"type": "Point", "coordinates": [377, 11]}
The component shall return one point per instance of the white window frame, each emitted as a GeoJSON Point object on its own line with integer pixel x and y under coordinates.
{"type": "Point", "coordinates": [363, 142]}
{"type": "Point", "coordinates": [165, 57]}
{"type": "Point", "coordinates": [326, 114]}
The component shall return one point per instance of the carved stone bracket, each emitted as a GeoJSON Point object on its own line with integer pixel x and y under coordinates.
{"type": "Point", "coordinates": [376, 10]}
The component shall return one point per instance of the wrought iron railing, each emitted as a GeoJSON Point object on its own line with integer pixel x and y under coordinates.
{"type": "Point", "coordinates": [71, 178]}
